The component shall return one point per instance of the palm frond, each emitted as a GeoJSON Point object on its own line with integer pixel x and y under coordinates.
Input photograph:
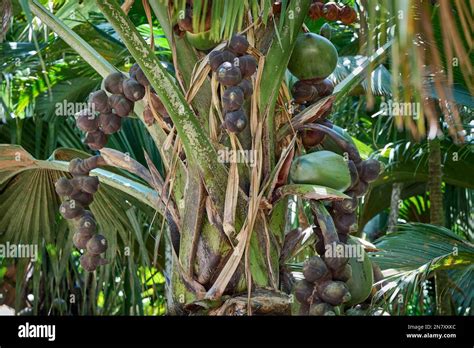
{"type": "Point", "coordinates": [413, 254]}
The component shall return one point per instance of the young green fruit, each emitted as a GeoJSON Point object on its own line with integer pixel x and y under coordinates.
{"type": "Point", "coordinates": [322, 168]}
{"type": "Point", "coordinates": [326, 31]}
{"type": "Point", "coordinates": [313, 57]}
{"type": "Point", "coordinates": [362, 279]}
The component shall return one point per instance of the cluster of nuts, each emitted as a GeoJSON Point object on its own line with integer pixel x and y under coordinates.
{"type": "Point", "coordinates": [78, 195]}
{"type": "Point", "coordinates": [233, 69]}
{"type": "Point", "coordinates": [309, 91]}
{"type": "Point", "coordinates": [102, 117]}
{"type": "Point", "coordinates": [332, 11]}
{"type": "Point", "coordinates": [324, 285]}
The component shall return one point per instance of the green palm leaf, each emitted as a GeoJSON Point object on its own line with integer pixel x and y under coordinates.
{"type": "Point", "coordinates": [414, 253]}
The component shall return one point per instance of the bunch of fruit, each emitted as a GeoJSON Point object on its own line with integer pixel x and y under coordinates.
{"type": "Point", "coordinates": [332, 11]}
{"type": "Point", "coordinates": [102, 117]}
{"type": "Point", "coordinates": [78, 195]}
{"type": "Point", "coordinates": [233, 69]}
{"type": "Point", "coordinates": [313, 83]}
{"type": "Point", "coordinates": [333, 277]}
{"type": "Point", "coordinates": [332, 280]}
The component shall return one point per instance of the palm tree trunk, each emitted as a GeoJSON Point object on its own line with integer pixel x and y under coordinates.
{"type": "Point", "coordinates": [394, 207]}
{"type": "Point", "coordinates": [443, 305]}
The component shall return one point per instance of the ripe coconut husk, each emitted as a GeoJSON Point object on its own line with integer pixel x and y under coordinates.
{"type": "Point", "coordinates": [238, 44]}
{"type": "Point", "coordinates": [90, 262]}
{"type": "Point", "coordinates": [247, 65]}
{"type": "Point", "coordinates": [86, 121]}
{"type": "Point", "coordinates": [316, 10]}
{"type": "Point", "coordinates": [343, 274]}
{"type": "Point", "coordinates": [345, 223]}
{"type": "Point", "coordinates": [83, 198]}
{"type": "Point", "coordinates": [334, 256]}
{"type": "Point", "coordinates": [89, 184]}
{"type": "Point", "coordinates": [86, 223]}
{"type": "Point", "coordinates": [120, 105]}
{"type": "Point", "coordinates": [99, 101]}
{"type": "Point", "coordinates": [347, 15]}
{"type": "Point", "coordinates": [314, 269]}
{"type": "Point", "coordinates": [303, 291]}
{"type": "Point", "coordinates": [361, 188]}
{"type": "Point", "coordinates": [303, 92]}
{"type": "Point", "coordinates": [80, 240]}
{"type": "Point", "coordinates": [321, 308]}
{"type": "Point", "coordinates": [228, 75]}
{"type": "Point", "coordinates": [333, 292]}
{"type": "Point", "coordinates": [110, 123]}
{"type": "Point", "coordinates": [331, 11]}
{"type": "Point", "coordinates": [345, 206]}
{"type": "Point", "coordinates": [133, 90]}
{"type": "Point", "coordinates": [246, 87]}
{"type": "Point", "coordinates": [97, 245]}
{"type": "Point", "coordinates": [235, 121]}
{"type": "Point", "coordinates": [232, 99]}
{"type": "Point", "coordinates": [113, 83]}
{"type": "Point", "coordinates": [370, 170]}
{"type": "Point", "coordinates": [71, 209]}
{"type": "Point", "coordinates": [63, 187]}
{"type": "Point", "coordinates": [95, 140]}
